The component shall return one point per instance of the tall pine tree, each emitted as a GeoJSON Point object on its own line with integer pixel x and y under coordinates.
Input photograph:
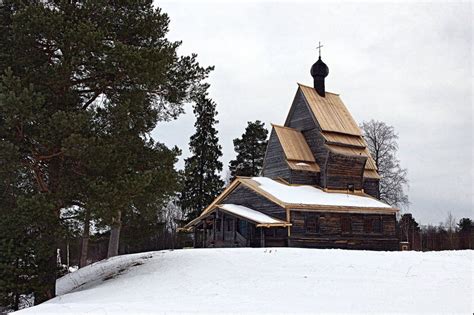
{"type": "Point", "coordinates": [250, 151]}
{"type": "Point", "coordinates": [61, 63]}
{"type": "Point", "coordinates": [202, 182]}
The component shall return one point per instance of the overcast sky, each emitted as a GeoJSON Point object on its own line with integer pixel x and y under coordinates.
{"type": "Point", "coordinates": [407, 64]}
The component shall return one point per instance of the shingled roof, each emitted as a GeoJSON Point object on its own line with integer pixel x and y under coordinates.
{"type": "Point", "coordinates": [297, 152]}
{"type": "Point", "coordinates": [339, 129]}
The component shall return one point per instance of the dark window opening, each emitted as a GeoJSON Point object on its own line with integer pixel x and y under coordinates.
{"type": "Point", "coordinates": [368, 225]}
{"type": "Point", "coordinates": [311, 223]}
{"type": "Point", "coordinates": [351, 187]}
{"type": "Point", "coordinates": [377, 225]}
{"type": "Point", "coordinates": [346, 225]}
{"type": "Point", "coordinates": [229, 225]}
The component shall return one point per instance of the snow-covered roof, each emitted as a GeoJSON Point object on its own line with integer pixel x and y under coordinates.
{"type": "Point", "coordinates": [250, 214]}
{"type": "Point", "coordinates": [310, 195]}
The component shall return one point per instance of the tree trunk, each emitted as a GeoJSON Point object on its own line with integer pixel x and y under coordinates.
{"type": "Point", "coordinates": [85, 240]}
{"type": "Point", "coordinates": [115, 235]}
{"type": "Point", "coordinates": [47, 278]}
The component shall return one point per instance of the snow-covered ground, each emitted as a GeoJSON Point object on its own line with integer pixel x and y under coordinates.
{"type": "Point", "coordinates": [269, 280]}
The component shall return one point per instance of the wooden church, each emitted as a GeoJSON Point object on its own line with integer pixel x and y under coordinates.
{"type": "Point", "coordinates": [319, 186]}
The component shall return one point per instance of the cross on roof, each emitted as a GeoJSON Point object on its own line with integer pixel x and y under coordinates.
{"type": "Point", "coordinates": [319, 47]}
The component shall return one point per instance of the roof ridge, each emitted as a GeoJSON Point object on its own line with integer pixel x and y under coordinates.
{"type": "Point", "coordinates": [308, 86]}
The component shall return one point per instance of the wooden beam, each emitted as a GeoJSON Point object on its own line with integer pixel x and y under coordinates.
{"type": "Point", "coordinates": [214, 228]}
{"type": "Point", "coordinates": [222, 227]}
{"type": "Point", "coordinates": [204, 234]}
{"type": "Point", "coordinates": [234, 235]}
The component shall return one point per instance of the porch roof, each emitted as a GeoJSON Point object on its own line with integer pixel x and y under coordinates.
{"type": "Point", "coordinates": [260, 219]}
{"type": "Point", "coordinates": [253, 215]}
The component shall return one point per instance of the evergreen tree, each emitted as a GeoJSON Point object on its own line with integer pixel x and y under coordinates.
{"type": "Point", "coordinates": [69, 71]}
{"type": "Point", "coordinates": [250, 151]}
{"type": "Point", "coordinates": [202, 182]}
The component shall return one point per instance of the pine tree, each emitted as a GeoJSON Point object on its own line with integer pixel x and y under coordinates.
{"type": "Point", "coordinates": [69, 71]}
{"type": "Point", "coordinates": [250, 151]}
{"type": "Point", "coordinates": [202, 182]}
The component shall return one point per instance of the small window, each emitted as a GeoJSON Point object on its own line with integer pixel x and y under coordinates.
{"type": "Point", "coordinates": [229, 225]}
{"type": "Point", "coordinates": [368, 225]}
{"type": "Point", "coordinates": [346, 226]}
{"type": "Point", "coordinates": [351, 187]}
{"type": "Point", "coordinates": [377, 225]}
{"type": "Point", "coordinates": [311, 223]}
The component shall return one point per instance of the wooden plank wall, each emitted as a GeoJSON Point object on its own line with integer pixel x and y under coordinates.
{"type": "Point", "coordinates": [246, 197]}
{"type": "Point", "coordinates": [299, 116]}
{"type": "Point", "coordinates": [304, 178]}
{"type": "Point", "coordinates": [341, 170]}
{"type": "Point", "coordinates": [275, 165]}
{"type": "Point", "coordinates": [371, 187]}
{"type": "Point", "coordinates": [331, 235]}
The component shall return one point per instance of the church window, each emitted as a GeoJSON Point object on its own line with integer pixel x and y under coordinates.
{"type": "Point", "coordinates": [346, 225]}
{"type": "Point", "coordinates": [311, 223]}
{"type": "Point", "coordinates": [377, 225]}
{"type": "Point", "coordinates": [368, 225]}
{"type": "Point", "coordinates": [351, 187]}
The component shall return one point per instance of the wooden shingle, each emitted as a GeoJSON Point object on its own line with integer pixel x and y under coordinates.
{"type": "Point", "coordinates": [330, 112]}
{"type": "Point", "coordinates": [294, 144]}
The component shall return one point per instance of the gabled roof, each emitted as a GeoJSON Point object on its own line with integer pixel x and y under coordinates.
{"type": "Point", "coordinates": [339, 129]}
{"type": "Point", "coordinates": [330, 112]}
{"type": "Point", "coordinates": [305, 197]}
{"type": "Point", "coordinates": [297, 152]}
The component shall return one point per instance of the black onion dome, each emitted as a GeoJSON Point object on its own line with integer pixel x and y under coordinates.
{"type": "Point", "coordinates": [319, 69]}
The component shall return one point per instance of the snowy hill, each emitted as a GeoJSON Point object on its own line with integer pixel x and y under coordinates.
{"type": "Point", "coordinates": [268, 280]}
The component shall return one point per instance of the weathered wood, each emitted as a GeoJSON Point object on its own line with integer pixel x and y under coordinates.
{"type": "Point", "coordinates": [341, 171]}
{"type": "Point", "coordinates": [246, 197]}
{"type": "Point", "coordinates": [331, 233]}
{"type": "Point", "coordinates": [371, 187]}
{"type": "Point", "coordinates": [222, 225]}
{"type": "Point", "coordinates": [274, 164]}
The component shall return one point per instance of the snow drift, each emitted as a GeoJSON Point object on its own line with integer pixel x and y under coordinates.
{"type": "Point", "coordinates": [268, 280]}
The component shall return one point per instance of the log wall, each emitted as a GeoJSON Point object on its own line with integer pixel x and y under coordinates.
{"type": "Point", "coordinates": [274, 164]}
{"type": "Point", "coordinates": [371, 187]}
{"type": "Point", "coordinates": [331, 234]}
{"type": "Point", "coordinates": [342, 170]}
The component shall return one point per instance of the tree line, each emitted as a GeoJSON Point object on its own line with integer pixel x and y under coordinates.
{"type": "Point", "coordinates": [447, 235]}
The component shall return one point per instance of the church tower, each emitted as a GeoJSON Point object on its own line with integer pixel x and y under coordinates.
{"type": "Point", "coordinates": [320, 143]}
{"type": "Point", "coordinates": [319, 71]}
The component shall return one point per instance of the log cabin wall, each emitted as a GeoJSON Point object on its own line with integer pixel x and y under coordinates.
{"type": "Point", "coordinates": [304, 178]}
{"type": "Point", "coordinates": [371, 187]}
{"type": "Point", "coordinates": [246, 197]}
{"type": "Point", "coordinates": [342, 230]}
{"type": "Point", "coordinates": [342, 170]}
{"type": "Point", "coordinates": [299, 116]}
{"type": "Point", "coordinates": [274, 164]}
{"type": "Point", "coordinates": [316, 143]}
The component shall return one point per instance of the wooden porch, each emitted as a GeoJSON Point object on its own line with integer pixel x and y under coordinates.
{"type": "Point", "coordinates": [221, 229]}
